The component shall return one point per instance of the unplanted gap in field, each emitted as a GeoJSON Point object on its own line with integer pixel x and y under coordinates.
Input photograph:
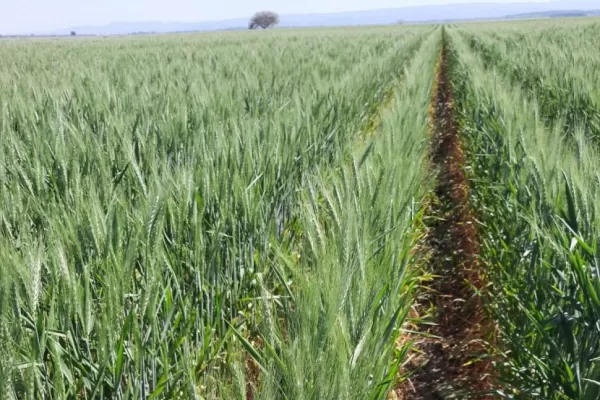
{"type": "Point", "coordinates": [449, 360]}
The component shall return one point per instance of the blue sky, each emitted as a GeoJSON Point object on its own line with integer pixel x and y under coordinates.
{"type": "Point", "coordinates": [22, 16]}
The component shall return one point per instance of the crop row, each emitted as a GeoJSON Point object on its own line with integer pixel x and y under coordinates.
{"type": "Point", "coordinates": [535, 196]}
{"type": "Point", "coordinates": [558, 94]}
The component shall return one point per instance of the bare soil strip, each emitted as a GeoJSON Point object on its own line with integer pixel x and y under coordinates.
{"type": "Point", "coordinates": [447, 362]}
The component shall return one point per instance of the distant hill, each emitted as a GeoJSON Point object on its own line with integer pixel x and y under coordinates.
{"type": "Point", "coordinates": [415, 14]}
{"type": "Point", "coordinates": [555, 14]}
{"type": "Point", "coordinates": [123, 28]}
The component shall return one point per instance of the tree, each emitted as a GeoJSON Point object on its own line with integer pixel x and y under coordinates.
{"type": "Point", "coordinates": [73, 33]}
{"type": "Point", "coordinates": [264, 19]}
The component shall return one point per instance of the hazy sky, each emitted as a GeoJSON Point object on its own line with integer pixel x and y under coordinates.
{"type": "Point", "coordinates": [22, 16]}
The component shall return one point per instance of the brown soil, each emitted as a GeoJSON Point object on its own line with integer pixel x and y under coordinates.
{"type": "Point", "coordinates": [447, 361]}
{"type": "Point", "coordinates": [252, 370]}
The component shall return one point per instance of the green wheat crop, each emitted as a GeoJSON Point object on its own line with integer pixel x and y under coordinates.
{"type": "Point", "coordinates": [203, 216]}
{"type": "Point", "coordinates": [240, 215]}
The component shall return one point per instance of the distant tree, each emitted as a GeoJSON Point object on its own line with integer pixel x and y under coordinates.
{"type": "Point", "coordinates": [264, 19]}
{"type": "Point", "coordinates": [73, 33]}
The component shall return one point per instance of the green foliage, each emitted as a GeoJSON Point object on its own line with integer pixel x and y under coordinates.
{"type": "Point", "coordinates": [555, 74]}
{"type": "Point", "coordinates": [173, 207]}
{"type": "Point", "coordinates": [231, 215]}
{"type": "Point", "coordinates": [536, 199]}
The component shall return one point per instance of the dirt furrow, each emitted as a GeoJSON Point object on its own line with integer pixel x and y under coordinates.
{"type": "Point", "coordinates": [447, 362]}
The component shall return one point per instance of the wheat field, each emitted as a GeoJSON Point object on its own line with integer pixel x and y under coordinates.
{"type": "Point", "coordinates": [255, 215]}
